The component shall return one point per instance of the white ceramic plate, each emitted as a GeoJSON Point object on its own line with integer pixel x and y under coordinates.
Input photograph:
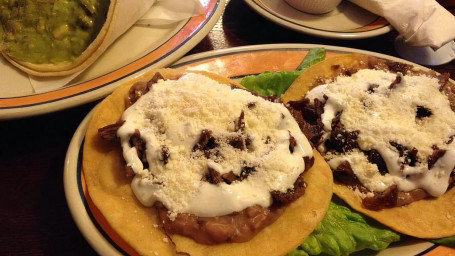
{"type": "Point", "coordinates": [347, 21]}
{"type": "Point", "coordinates": [234, 63]}
{"type": "Point", "coordinates": [139, 49]}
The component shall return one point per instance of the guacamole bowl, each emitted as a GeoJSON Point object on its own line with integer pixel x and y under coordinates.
{"type": "Point", "coordinates": [58, 38]}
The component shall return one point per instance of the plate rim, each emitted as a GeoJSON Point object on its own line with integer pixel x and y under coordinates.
{"type": "Point", "coordinates": [317, 32]}
{"type": "Point", "coordinates": [76, 96]}
{"type": "Point", "coordinates": [71, 174]}
{"type": "Point", "coordinates": [76, 202]}
{"type": "Point", "coordinates": [292, 46]}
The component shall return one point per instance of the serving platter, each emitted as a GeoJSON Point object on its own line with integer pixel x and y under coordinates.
{"type": "Point", "coordinates": [347, 21]}
{"type": "Point", "coordinates": [235, 63]}
{"type": "Point", "coordinates": [139, 49]}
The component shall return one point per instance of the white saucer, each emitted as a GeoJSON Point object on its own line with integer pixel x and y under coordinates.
{"type": "Point", "coordinates": [347, 21]}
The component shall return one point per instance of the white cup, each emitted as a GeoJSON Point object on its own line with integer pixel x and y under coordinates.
{"type": "Point", "coordinates": [314, 6]}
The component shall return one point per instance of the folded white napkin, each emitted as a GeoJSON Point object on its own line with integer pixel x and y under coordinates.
{"type": "Point", "coordinates": [420, 22]}
{"type": "Point", "coordinates": [166, 12]}
{"type": "Point", "coordinates": [145, 12]}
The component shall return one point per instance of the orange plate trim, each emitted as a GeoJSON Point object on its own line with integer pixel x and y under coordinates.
{"type": "Point", "coordinates": [103, 226]}
{"type": "Point", "coordinates": [193, 25]}
{"type": "Point", "coordinates": [441, 250]}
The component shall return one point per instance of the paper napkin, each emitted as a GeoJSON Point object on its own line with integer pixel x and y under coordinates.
{"type": "Point", "coordinates": [420, 22]}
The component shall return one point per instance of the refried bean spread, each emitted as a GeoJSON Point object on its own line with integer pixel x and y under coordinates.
{"type": "Point", "coordinates": [218, 163]}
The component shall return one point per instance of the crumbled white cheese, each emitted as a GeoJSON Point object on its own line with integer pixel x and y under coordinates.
{"type": "Point", "coordinates": [174, 113]}
{"type": "Point", "coordinates": [382, 115]}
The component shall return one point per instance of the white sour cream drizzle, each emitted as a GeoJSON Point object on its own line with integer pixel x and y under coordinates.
{"type": "Point", "coordinates": [390, 115]}
{"type": "Point", "coordinates": [174, 112]}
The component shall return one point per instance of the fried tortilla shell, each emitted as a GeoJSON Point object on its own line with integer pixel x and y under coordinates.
{"type": "Point", "coordinates": [110, 191]}
{"type": "Point", "coordinates": [426, 218]}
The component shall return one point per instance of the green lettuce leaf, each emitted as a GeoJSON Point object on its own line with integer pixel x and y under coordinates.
{"type": "Point", "coordinates": [277, 82]}
{"type": "Point", "coordinates": [343, 231]}
{"type": "Point", "coordinates": [270, 82]}
{"type": "Point", "coordinates": [448, 241]}
{"type": "Point", "coordinates": [313, 56]}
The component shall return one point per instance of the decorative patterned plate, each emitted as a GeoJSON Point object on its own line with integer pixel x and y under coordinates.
{"type": "Point", "coordinates": [347, 21]}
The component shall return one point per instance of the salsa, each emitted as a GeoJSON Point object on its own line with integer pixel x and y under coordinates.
{"type": "Point", "coordinates": [49, 31]}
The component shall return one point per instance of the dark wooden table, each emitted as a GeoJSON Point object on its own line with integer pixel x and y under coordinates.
{"type": "Point", "coordinates": [34, 216]}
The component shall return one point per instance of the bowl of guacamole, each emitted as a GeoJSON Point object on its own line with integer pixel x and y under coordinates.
{"type": "Point", "coordinates": [51, 35]}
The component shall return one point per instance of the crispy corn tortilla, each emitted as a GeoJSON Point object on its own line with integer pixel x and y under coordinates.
{"type": "Point", "coordinates": [427, 218]}
{"type": "Point", "coordinates": [109, 188]}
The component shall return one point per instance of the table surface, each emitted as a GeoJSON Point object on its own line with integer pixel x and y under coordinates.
{"type": "Point", "coordinates": [34, 216]}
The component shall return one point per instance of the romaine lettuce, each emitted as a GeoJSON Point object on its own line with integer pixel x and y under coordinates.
{"type": "Point", "coordinates": [448, 241]}
{"type": "Point", "coordinates": [277, 82]}
{"type": "Point", "coordinates": [343, 231]}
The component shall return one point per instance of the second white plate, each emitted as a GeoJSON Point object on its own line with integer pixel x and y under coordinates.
{"type": "Point", "coordinates": [347, 21]}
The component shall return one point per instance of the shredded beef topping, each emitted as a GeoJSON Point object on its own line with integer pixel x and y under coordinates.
{"type": "Point", "coordinates": [376, 158]}
{"type": "Point", "coordinates": [140, 88]}
{"type": "Point", "coordinates": [165, 154]}
{"type": "Point", "coordinates": [109, 132]}
{"type": "Point", "coordinates": [309, 161]}
{"type": "Point", "coordinates": [205, 143]}
{"type": "Point", "coordinates": [291, 194]}
{"type": "Point", "coordinates": [292, 143]}
{"type": "Point", "coordinates": [423, 112]}
{"type": "Point", "coordinates": [240, 124]}
{"type": "Point", "coordinates": [215, 177]}
{"type": "Point", "coordinates": [340, 139]}
{"type": "Point", "coordinates": [452, 179]}
{"type": "Point", "coordinates": [395, 82]}
{"type": "Point", "coordinates": [137, 142]}
{"type": "Point", "coordinates": [344, 71]}
{"type": "Point", "coordinates": [437, 153]}
{"type": "Point", "coordinates": [449, 90]}
{"type": "Point", "coordinates": [344, 174]}
{"type": "Point", "coordinates": [238, 142]}
{"type": "Point", "coordinates": [398, 67]}
{"type": "Point", "coordinates": [212, 176]}
{"type": "Point", "coordinates": [308, 115]}
{"type": "Point", "coordinates": [308, 119]}
{"type": "Point", "coordinates": [409, 155]}
{"type": "Point", "coordinates": [251, 104]}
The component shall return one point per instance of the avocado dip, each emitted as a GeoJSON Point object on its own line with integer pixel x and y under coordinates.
{"type": "Point", "coordinates": [49, 31]}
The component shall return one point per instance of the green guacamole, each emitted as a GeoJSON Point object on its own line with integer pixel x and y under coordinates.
{"type": "Point", "coordinates": [49, 31]}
